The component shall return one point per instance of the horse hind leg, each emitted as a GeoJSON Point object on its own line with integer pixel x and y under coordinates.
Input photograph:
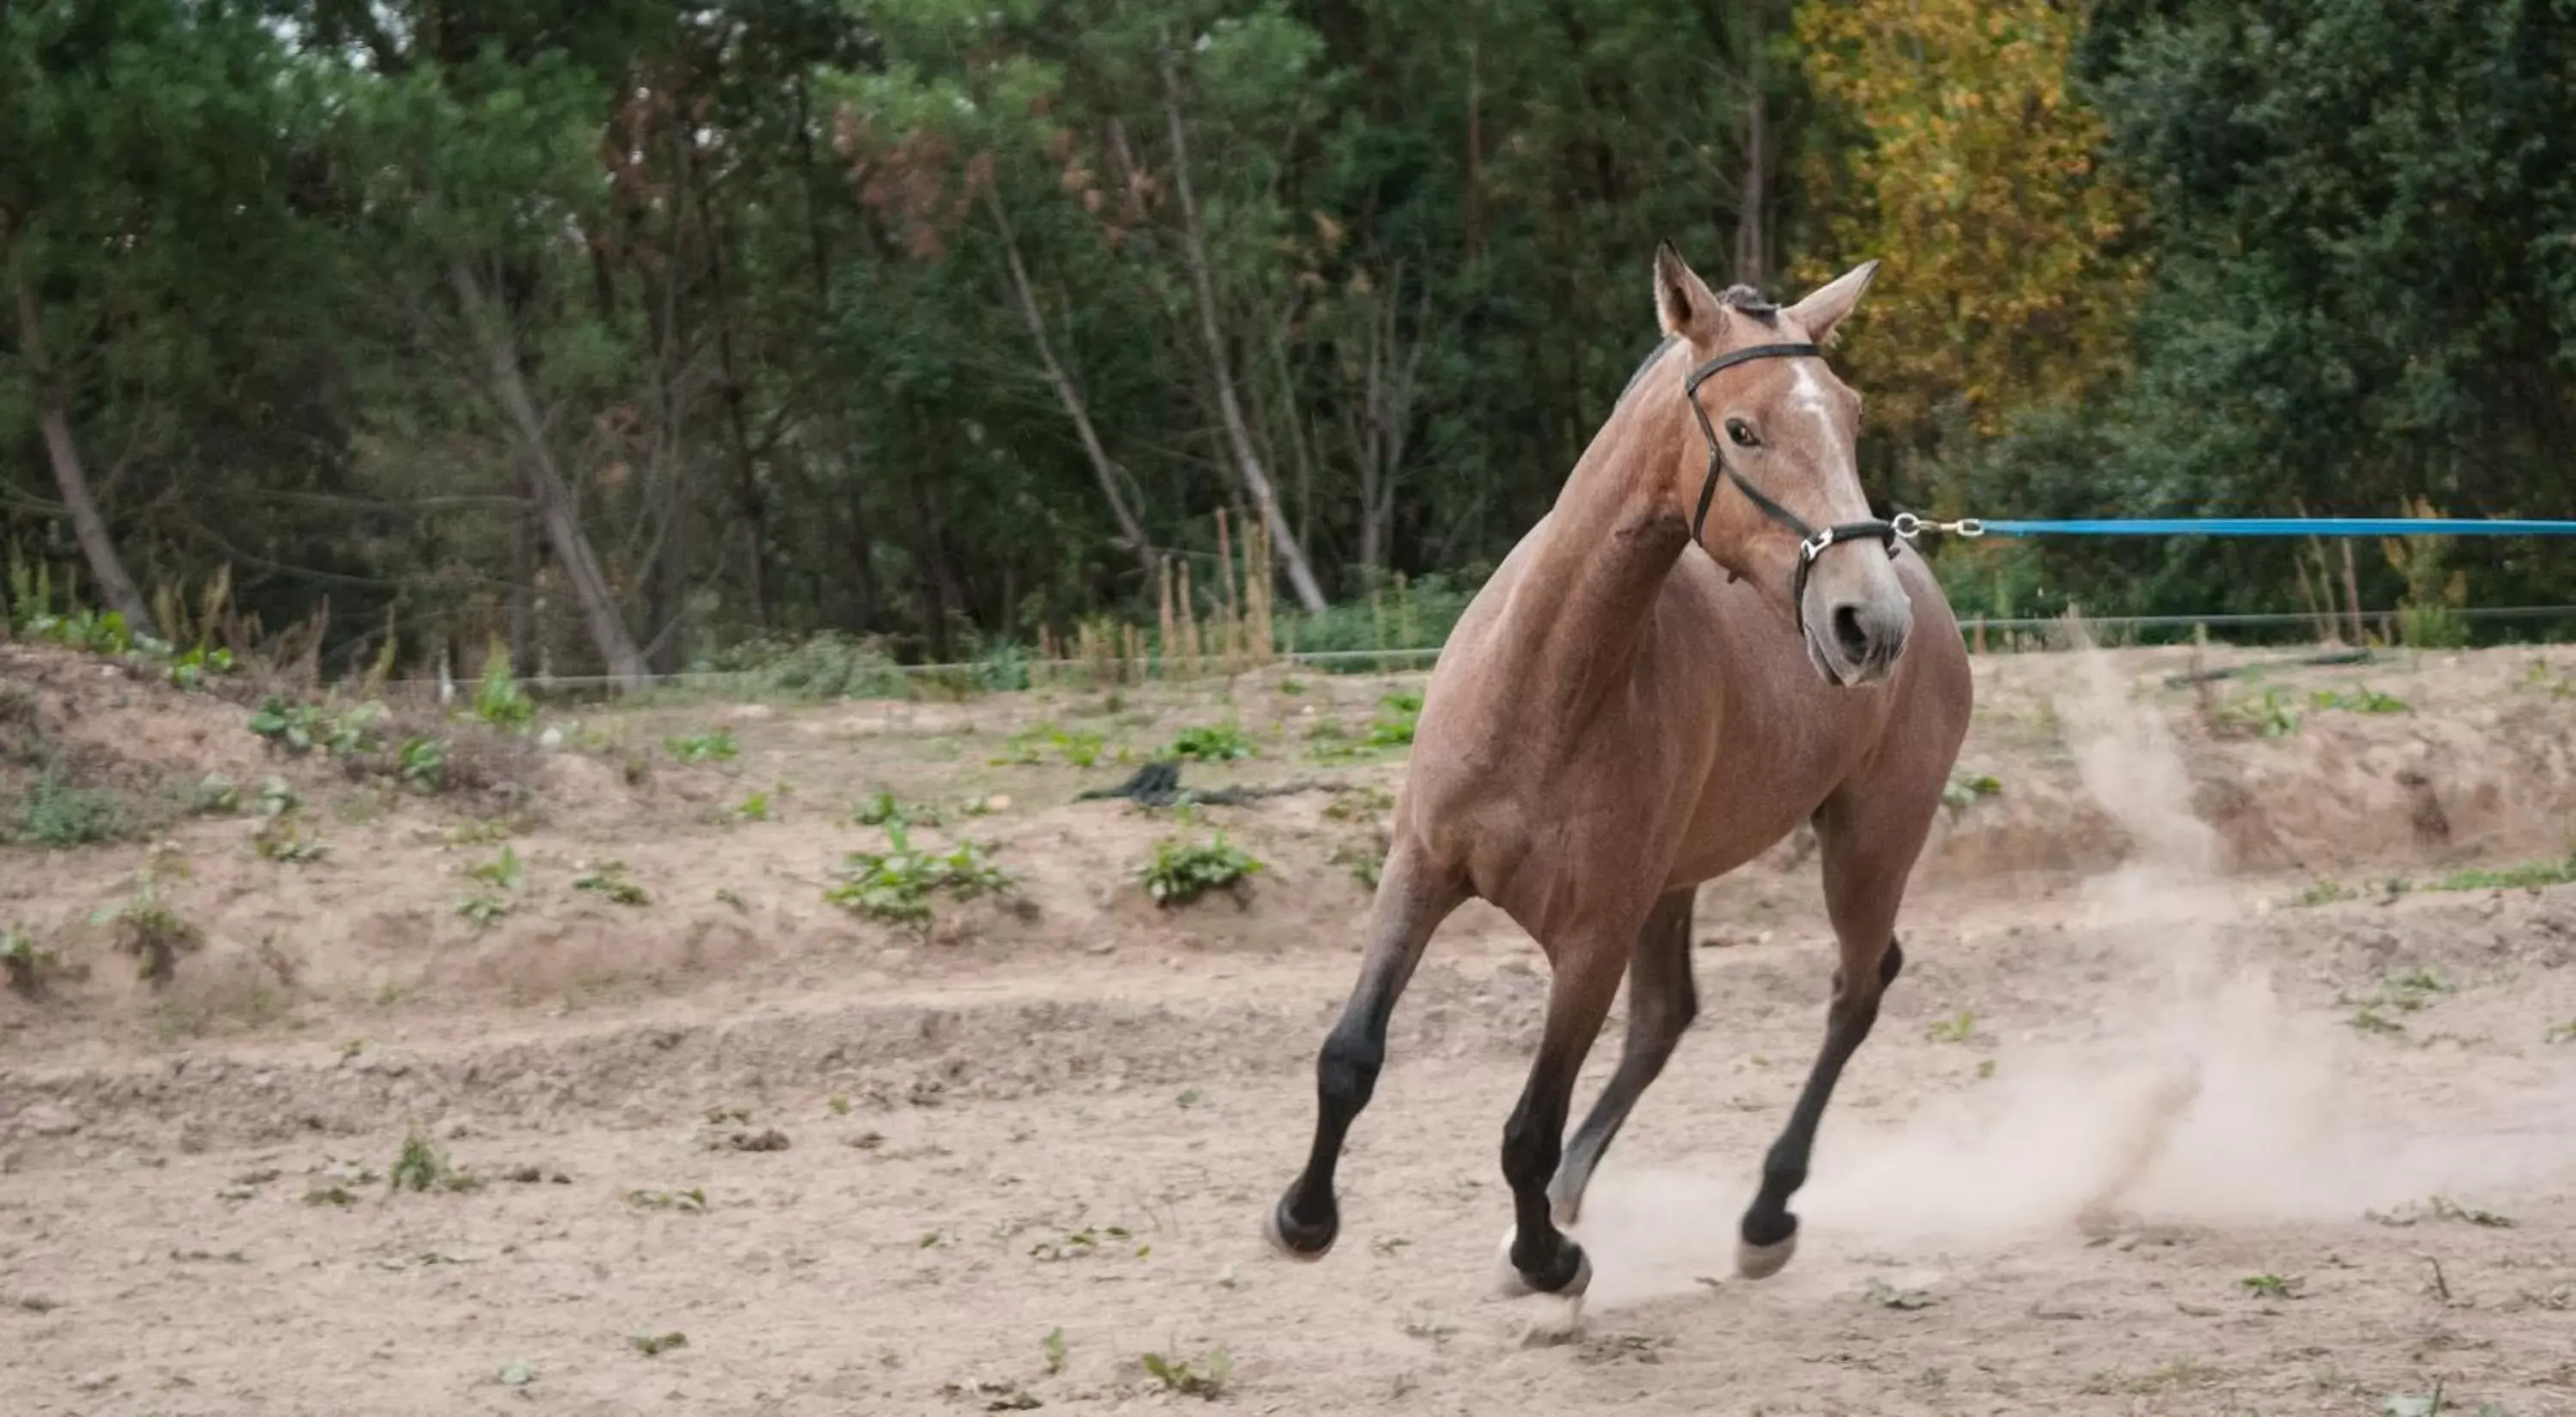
{"type": "Point", "coordinates": [1412, 899]}
{"type": "Point", "coordinates": [1662, 1001]}
{"type": "Point", "coordinates": [1542, 1257]}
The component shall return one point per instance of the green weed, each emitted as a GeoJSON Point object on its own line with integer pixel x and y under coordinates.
{"type": "Point", "coordinates": [1079, 748]}
{"type": "Point", "coordinates": [2362, 700]}
{"type": "Point", "coordinates": [1958, 1028]}
{"type": "Point", "coordinates": [145, 926]}
{"type": "Point", "coordinates": [2270, 716]}
{"type": "Point", "coordinates": [897, 884]}
{"type": "Point", "coordinates": [2273, 1286]}
{"type": "Point", "coordinates": [1181, 872]}
{"type": "Point", "coordinates": [24, 963]}
{"type": "Point", "coordinates": [1963, 790]}
{"type": "Point", "coordinates": [2532, 876]}
{"type": "Point", "coordinates": [692, 1201]}
{"type": "Point", "coordinates": [607, 880]}
{"type": "Point", "coordinates": [1217, 744]}
{"type": "Point", "coordinates": [713, 746]}
{"type": "Point", "coordinates": [58, 816]}
{"type": "Point", "coordinates": [1204, 1376]}
{"type": "Point", "coordinates": [654, 1345]}
{"type": "Point", "coordinates": [422, 764]}
{"type": "Point", "coordinates": [1393, 727]}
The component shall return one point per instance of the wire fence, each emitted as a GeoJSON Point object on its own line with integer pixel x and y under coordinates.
{"type": "Point", "coordinates": [2007, 634]}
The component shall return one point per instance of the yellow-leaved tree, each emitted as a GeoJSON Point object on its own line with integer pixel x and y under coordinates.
{"type": "Point", "coordinates": [1974, 177]}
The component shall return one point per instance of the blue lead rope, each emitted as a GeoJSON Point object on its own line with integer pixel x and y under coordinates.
{"type": "Point", "coordinates": [2254, 526]}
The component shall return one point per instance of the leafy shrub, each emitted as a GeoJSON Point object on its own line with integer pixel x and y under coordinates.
{"type": "Point", "coordinates": [146, 927]}
{"type": "Point", "coordinates": [56, 815]}
{"type": "Point", "coordinates": [897, 884]}
{"type": "Point", "coordinates": [1217, 744]}
{"type": "Point", "coordinates": [498, 698]}
{"type": "Point", "coordinates": [423, 763]}
{"type": "Point", "coordinates": [1182, 872]}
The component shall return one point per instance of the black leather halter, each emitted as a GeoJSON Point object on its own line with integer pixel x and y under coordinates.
{"type": "Point", "coordinates": [1811, 542]}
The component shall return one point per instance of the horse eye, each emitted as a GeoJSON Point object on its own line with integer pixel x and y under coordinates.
{"type": "Point", "coordinates": [1742, 433]}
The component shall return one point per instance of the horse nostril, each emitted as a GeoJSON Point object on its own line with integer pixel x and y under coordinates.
{"type": "Point", "coordinates": [1848, 634]}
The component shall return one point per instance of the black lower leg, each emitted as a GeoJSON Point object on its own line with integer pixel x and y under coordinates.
{"type": "Point", "coordinates": [1345, 1077]}
{"type": "Point", "coordinates": [1768, 1221]}
{"type": "Point", "coordinates": [1546, 1259]}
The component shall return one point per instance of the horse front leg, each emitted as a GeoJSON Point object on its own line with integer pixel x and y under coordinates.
{"type": "Point", "coordinates": [1868, 844]}
{"type": "Point", "coordinates": [1411, 902]}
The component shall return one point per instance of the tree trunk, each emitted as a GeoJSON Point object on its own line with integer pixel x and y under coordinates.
{"type": "Point", "coordinates": [1103, 467]}
{"type": "Point", "coordinates": [1752, 221]}
{"type": "Point", "coordinates": [526, 531]}
{"type": "Point", "coordinates": [97, 547]}
{"type": "Point", "coordinates": [562, 520]}
{"type": "Point", "coordinates": [1238, 435]}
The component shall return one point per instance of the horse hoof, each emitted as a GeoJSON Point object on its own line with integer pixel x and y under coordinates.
{"type": "Point", "coordinates": [1763, 1261]}
{"type": "Point", "coordinates": [1302, 1243]}
{"type": "Point", "coordinates": [1516, 1285]}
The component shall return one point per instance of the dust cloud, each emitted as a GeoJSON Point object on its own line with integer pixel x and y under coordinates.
{"type": "Point", "coordinates": [2204, 1099]}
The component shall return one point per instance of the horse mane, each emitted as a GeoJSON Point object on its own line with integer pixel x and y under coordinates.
{"type": "Point", "coordinates": [1743, 299]}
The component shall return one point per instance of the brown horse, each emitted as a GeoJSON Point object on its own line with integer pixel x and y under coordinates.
{"type": "Point", "coordinates": [1662, 680]}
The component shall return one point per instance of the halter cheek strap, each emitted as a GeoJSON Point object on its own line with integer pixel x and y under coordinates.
{"type": "Point", "coordinates": [1811, 542]}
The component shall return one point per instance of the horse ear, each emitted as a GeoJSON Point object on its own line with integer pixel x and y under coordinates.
{"type": "Point", "coordinates": [1827, 304]}
{"type": "Point", "coordinates": [1684, 304]}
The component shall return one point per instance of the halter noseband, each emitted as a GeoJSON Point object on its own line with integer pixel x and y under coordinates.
{"type": "Point", "coordinates": [1811, 542]}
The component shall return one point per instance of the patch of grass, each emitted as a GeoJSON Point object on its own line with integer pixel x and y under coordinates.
{"type": "Point", "coordinates": [1204, 1376]}
{"type": "Point", "coordinates": [56, 815]}
{"type": "Point", "coordinates": [692, 1201]}
{"type": "Point", "coordinates": [24, 963]}
{"type": "Point", "coordinates": [1181, 872]}
{"type": "Point", "coordinates": [2323, 893]}
{"type": "Point", "coordinates": [1360, 804]}
{"type": "Point", "coordinates": [654, 1345]}
{"type": "Point", "coordinates": [2273, 1286]}
{"type": "Point", "coordinates": [2532, 876]}
{"type": "Point", "coordinates": [607, 880]}
{"type": "Point", "coordinates": [1958, 1028]}
{"type": "Point", "coordinates": [1216, 744]}
{"type": "Point", "coordinates": [1079, 748]}
{"type": "Point", "coordinates": [1397, 716]}
{"type": "Point", "coordinates": [754, 808]}
{"type": "Point", "coordinates": [1052, 1346]}
{"type": "Point", "coordinates": [1086, 1242]}
{"type": "Point", "coordinates": [2167, 1376]}
{"type": "Point", "coordinates": [713, 746]}
{"type": "Point", "coordinates": [1963, 790]}
{"type": "Point", "coordinates": [2404, 992]}
{"type": "Point", "coordinates": [897, 884]}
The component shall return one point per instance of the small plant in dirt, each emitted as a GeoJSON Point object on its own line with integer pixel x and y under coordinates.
{"type": "Point", "coordinates": [1219, 743]}
{"type": "Point", "coordinates": [2269, 715]}
{"type": "Point", "coordinates": [882, 809]}
{"type": "Point", "coordinates": [215, 796]}
{"type": "Point", "coordinates": [1396, 718]}
{"type": "Point", "coordinates": [897, 884]}
{"type": "Point", "coordinates": [1053, 1349]}
{"type": "Point", "coordinates": [1181, 871]}
{"type": "Point", "coordinates": [1888, 1296]}
{"type": "Point", "coordinates": [297, 728]}
{"type": "Point", "coordinates": [2323, 893]}
{"type": "Point", "coordinates": [2561, 1032]}
{"type": "Point", "coordinates": [1360, 804]}
{"type": "Point", "coordinates": [1965, 788]}
{"type": "Point", "coordinates": [713, 746]}
{"type": "Point", "coordinates": [498, 698]}
{"type": "Point", "coordinates": [284, 839]}
{"type": "Point", "coordinates": [497, 881]}
{"type": "Point", "coordinates": [144, 924]}
{"type": "Point", "coordinates": [692, 1201]}
{"type": "Point", "coordinates": [1088, 1241]}
{"type": "Point", "coordinates": [1365, 860]}
{"type": "Point", "coordinates": [423, 1166]}
{"type": "Point", "coordinates": [2273, 1286]}
{"type": "Point", "coordinates": [2361, 700]}
{"type": "Point", "coordinates": [193, 669]}
{"type": "Point", "coordinates": [654, 1345]}
{"type": "Point", "coordinates": [24, 963]}
{"type": "Point", "coordinates": [337, 1182]}
{"type": "Point", "coordinates": [422, 764]}
{"type": "Point", "coordinates": [607, 880]}
{"type": "Point", "coordinates": [1958, 1028]}
{"type": "Point", "coordinates": [2445, 1208]}
{"type": "Point", "coordinates": [754, 808]}
{"type": "Point", "coordinates": [1203, 1376]}
{"type": "Point", "coordinates": [277, 797]}
{"type": "Point", "coordinates": [1077, 747]}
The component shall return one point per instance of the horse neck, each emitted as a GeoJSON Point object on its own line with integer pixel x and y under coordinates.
{"type": "Point", "coordinates": [1612, 538]}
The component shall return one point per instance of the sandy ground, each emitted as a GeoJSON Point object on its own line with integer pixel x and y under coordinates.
{"type": "Point", "coordinates": [999, 1164]}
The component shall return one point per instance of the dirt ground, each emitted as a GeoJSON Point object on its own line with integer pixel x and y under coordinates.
{"type": "Point", "coordinates": [2218, 1082]}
